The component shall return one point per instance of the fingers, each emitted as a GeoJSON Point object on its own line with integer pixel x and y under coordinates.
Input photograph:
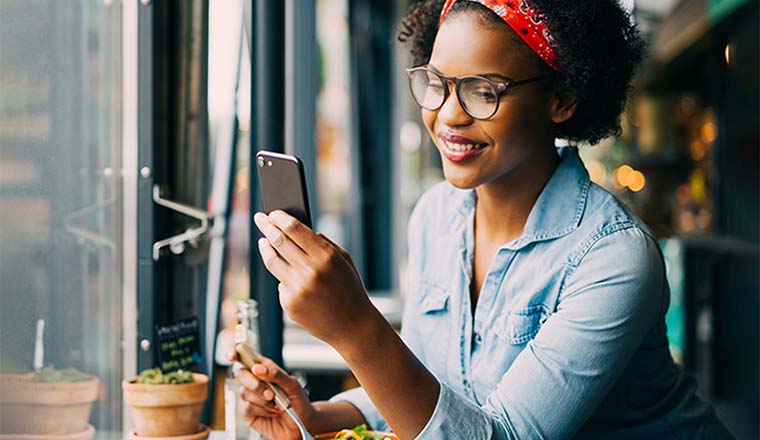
{"type": "Point", "coordinates": [272, 260]}
{"type": "Point", "coordinates": [251, 411]}
{"type": "Point", "coordinates": [257, 393]}
{"type": "Point", "coordinates": [299, 233]}
{"type": "Point", "coordinates": [248, 380]}
{"type": "Point", "coordinates": [285, 296]}
{"type": "Point", "coordinates": [262, 403]}
{"type": "Point", "coordinates": [280, 240]}
{"type": "Point", "coordinates": [269, 371]}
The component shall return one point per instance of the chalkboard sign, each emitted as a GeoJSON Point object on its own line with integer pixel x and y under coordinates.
{"type": "Point", "coordinates": [179, 345]}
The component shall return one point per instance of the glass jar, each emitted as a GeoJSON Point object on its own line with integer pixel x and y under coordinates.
{"type": "Point", "coordinates": [247, 331]}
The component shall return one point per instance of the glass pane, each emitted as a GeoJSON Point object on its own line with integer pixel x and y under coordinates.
{"type": "Point", "coordinates": [333, 135]}
{"type": "Point", "coordinates": [60, 207]}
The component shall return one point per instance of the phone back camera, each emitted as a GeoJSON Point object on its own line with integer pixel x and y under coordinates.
{"type": "Point", "coordinates": [261, 162]}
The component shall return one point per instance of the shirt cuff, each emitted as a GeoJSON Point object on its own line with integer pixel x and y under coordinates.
{"type": "Point", "coordinates": [359, 398]}
{"type": "Point", "coordinates": [455, 416]}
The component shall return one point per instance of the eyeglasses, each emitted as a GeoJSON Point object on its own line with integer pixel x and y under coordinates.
{"type": "Point", "coordinates": [478, 95]}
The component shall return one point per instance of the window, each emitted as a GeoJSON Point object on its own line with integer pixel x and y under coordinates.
{"type": "Point", "coordinates": [61, 197]}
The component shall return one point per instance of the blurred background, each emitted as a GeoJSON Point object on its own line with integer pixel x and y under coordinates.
{"type": "Point", "coordinates": [127, 129]}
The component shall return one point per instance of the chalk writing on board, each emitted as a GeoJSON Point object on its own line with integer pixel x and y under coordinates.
{"type": "Point", "coordinates": [179, 345]}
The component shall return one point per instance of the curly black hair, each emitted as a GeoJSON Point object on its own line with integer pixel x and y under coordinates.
{"type": "Point", "coordinates": [598, 45]}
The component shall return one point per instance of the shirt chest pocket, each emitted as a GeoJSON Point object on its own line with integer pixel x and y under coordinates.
{"type": "Point", "coordinates": [521, 325]}
{"type": "Point", "coordinates": [507, 337]}
{"type": "Point", "coordinates": [434, 323]}
{"type": "Point", "coordinates": [435, 300]}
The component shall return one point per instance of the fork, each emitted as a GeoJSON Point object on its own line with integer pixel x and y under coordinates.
{"type": "Point", "coordinates": [249, 358]}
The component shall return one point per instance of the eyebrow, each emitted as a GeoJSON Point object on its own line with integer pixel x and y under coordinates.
{"type": "Point", "coordinates": [497, 75]}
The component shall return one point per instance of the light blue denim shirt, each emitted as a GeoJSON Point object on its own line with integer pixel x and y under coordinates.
{"type": "Point", "coordinates": [568, 335]}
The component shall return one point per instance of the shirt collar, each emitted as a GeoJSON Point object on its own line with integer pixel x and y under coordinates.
{"type": "Point", "coordinates": [558, 209]}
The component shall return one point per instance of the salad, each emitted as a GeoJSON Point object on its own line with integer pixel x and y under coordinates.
{"type": "Point", "coordinates": [359, 433]}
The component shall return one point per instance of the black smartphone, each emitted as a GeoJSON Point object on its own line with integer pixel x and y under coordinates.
{"type": "Point", "coordinates": [282, 185]}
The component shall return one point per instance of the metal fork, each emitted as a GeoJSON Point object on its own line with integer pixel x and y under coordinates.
{"type": "Point", "coordinates": [289, 409]}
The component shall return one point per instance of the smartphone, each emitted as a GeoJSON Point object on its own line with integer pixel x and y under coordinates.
{"type": "Point", "coordinates": [282, 185]}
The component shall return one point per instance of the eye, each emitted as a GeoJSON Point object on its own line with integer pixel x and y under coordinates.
{"type": "Point", "coordinates": [436, 86]}
{"type": "Point", "coordinates": [485, 95]}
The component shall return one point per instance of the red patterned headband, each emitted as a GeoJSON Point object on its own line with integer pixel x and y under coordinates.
{"type": "Point", "coordinates": [528, 24]}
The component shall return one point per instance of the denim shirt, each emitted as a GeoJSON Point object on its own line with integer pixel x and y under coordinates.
{"type": "Point", "coordinates": [568, 335]}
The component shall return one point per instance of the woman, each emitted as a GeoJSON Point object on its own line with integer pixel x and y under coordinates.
{"type": "Point", "coordinates": [536, 300]}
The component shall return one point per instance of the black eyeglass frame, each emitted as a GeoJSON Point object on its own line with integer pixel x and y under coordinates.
{"type": "Point", "coordinates": [499, 87]}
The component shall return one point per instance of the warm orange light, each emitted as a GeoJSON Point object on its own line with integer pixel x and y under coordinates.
{"type": "Point", "coordinates": [636, 181]}
{"type": "Point", "coordinates": [623, 175]}
{"type": "Point", "coordinates": [697, 150]}
{"type": "Point", "coordinates": [708, 132]}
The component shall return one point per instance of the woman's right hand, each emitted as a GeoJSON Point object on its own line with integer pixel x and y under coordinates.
{"type": "Point", "coordinates": [258, 407]}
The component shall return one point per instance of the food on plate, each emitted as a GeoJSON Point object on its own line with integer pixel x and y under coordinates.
{"type": "Point", "coordinates": [360, 433]}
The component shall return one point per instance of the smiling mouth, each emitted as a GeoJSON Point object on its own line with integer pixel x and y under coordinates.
{"type": "Point", "coordinates": [461, 152]}
{"type": "Point", "coordinates": [462, 147]}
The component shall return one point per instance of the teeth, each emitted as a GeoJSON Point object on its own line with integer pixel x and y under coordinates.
{"type": "Point", "coordinates": [460, 147]}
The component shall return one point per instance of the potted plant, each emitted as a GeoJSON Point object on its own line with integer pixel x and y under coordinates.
{"type": "Point", "coordinates": [48, 403]}
{"type": "Point", "coordinates": [167, 405]}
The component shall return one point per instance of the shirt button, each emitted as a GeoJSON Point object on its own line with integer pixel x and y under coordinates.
{"type": "Point", "coordinates": [478, 338]}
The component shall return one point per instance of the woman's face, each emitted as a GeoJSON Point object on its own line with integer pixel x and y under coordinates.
{"type": "Point", "coordinates": [522, 126]}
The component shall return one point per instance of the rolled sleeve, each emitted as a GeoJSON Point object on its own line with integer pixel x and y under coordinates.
{"type": "Point", "coordinates": [449, 416]}
{"type": "Point", "coordinates": [359, 398]}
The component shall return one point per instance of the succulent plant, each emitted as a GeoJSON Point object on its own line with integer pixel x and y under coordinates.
{"type": "Point", "coordinates": [51, 375]}
{"type": "Point", "coordinates": [154, 376]}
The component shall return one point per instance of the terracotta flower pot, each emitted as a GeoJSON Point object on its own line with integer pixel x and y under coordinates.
{"type": "Point", "coordinates": [87, 434]}
{"type": "Point", "coordinates": [166, 410]}
{"type": "Point", "coordinates": [28, 407]}
{"type": "Point", "coordinates": [202, 434]}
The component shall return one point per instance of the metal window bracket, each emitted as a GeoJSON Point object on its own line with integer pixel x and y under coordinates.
{"type": "Point", "coordinates": [177, 243]}
{"type": "Point", "coordinates": [85, 236]}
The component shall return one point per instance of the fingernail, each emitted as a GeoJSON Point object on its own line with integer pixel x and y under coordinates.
{"type": "Point", "coordinates": [260, 369]}
{"type": "Point", "coordinates": [260, 218]}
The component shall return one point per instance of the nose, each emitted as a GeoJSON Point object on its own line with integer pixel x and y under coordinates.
{"type": "Point", "coordinates": [451, 112]}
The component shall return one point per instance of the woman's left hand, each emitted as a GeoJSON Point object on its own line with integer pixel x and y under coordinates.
{"type": "Point", "coordinates": [319, 285]}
